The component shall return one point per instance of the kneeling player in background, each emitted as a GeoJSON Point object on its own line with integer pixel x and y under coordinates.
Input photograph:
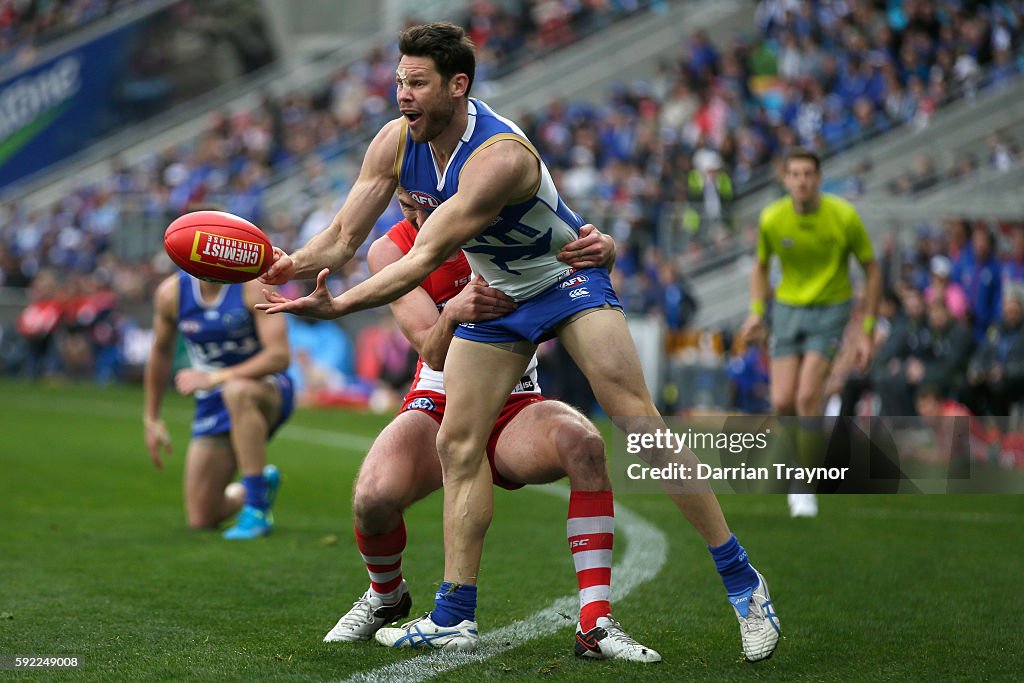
{"type": "Point", "coordinates": [534, 441]}
{"type": "Point", "coordinates": [242, 396]}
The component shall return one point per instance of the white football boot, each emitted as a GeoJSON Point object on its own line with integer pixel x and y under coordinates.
{"type": "Point", "coordinates": [607, 640]}
{"type": "Point", "coordinates": [424, 633]}
{"type": "Point", "coordinates": [759, 625]}
{"type": "Point", "coordinates": [367, 616]}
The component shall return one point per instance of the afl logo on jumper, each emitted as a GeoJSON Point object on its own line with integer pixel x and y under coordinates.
{"type": "Point", "coordinates": [421, 403]}
{"type": "Point", "coordinates": [425, 200]}
{"type": "Point", "coordinates": [573, 281]}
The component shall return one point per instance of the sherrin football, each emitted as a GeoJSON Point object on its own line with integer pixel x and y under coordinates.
{"type": "Point", "coordinates": [218, 246]}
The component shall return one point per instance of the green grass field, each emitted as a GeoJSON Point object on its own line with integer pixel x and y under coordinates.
{"type": "Point", "coordinates": [96, 562]}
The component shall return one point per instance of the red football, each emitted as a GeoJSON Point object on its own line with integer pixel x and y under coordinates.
{"type": "Point", "coordinates": [218, 246]}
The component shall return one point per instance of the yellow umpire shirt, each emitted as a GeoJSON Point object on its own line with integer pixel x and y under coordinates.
{"type": "Point", "coordinates": [814, 249]}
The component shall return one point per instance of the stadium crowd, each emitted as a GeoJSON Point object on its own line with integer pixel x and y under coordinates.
{"type": "Point", "coordinates": [29, 24]}
{"type": "Point", "coordinates": [658, 164]}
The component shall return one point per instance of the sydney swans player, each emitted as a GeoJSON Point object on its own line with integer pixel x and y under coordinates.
{"type": "Point", "coordinates": [489, 193]}
{"type": "Point", "coordinates": [242, 396]}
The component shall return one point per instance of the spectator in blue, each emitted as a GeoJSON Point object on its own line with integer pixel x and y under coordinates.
{"type": "Point", "coordinates": [748, 372]}
{"type": "Point", "coordinates": [703, 56]}
{"type": "Point", "coordinates": [1013, 266]}
{"type": "Point", "coordinates": [978, 272]}
{"type": "Point", "coordinates": [676, 303]}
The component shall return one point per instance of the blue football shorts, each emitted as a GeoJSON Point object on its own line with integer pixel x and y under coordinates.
{"type": "Point", "coordinates": [212, 418]}
{"type": "Point", "coordinates": [535, 319]}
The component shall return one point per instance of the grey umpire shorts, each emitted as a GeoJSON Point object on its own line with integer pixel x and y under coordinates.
{"type": "Point", "coordinates": [797, 330]}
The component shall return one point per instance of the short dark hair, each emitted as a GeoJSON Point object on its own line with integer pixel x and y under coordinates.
{"type": "Point", "coordinates": [447, 44]}
{"type": "Point", "coordinates": [801, 153]}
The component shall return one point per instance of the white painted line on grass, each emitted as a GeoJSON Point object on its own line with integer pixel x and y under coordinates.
{"type": "Point", "coordinates": [325, 437]}
{"type": "Point", "coordinates": [646, 554]}
{"type": "Point", "coordinates": [118, 410]}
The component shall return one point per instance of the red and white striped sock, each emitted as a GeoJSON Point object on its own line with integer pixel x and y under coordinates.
{"type": "Point", "coordinates": [383, 558]}
{"type": "Point", "coordinates": [591, 532]}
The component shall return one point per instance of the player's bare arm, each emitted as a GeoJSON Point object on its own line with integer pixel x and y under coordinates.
{"type": "Point", "coordinates": [499, 173]}
{"type": "Point", "coordinates": [367, 200]}
{"type": "Point", "coordinates": [274, 356]}
{"type": "Point", "coordinates": [429, 331]}
{"type": "Point", "coordinates": [158, 369]}
{"type": "Point", "coordinates": [752, 329]}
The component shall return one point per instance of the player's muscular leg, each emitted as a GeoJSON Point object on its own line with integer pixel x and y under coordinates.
{"type": "Point", "coordinates": [209, 468]}
{"type": "Point", "coordinates": [601, 345]}
{"type": "Point", "coordinates": [401, 468]}
{"type": "Point", "coordinates": [478, 379]}
{"type": "Point", "coordinates": [785, 373]}
{"type": "Point", "coordinates": [550, 440]}
{"type": "Point", "coordinates": [254, 406]}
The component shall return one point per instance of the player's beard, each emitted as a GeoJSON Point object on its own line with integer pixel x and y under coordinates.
{"type": "Point", "coordinates": [436, 118]}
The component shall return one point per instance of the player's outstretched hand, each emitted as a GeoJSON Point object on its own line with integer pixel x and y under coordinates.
{"type": "Point", "coordinates": [478, 302]}
{"type": "Point", "coordinates": [592, 249]}
{"type": "Point", "coordinates": [318, 304]}
{"type": "Point", "coordinates": [281, 270]}
{"type": "Point", "coordinates": [158, 441]}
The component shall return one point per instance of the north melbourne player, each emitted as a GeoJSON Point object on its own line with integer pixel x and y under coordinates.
{"type": "Point", "coordinates": [242, 394]}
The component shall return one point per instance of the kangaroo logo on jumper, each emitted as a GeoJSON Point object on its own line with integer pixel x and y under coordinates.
{"type": "Point", "coordinates": [577, 293]}
{"type": "Point", "coordinates": [512, 248]}
{"type": "Point", "coordinates": [573, 281]}
{"type": "Point", "coordinates": [421, 403]}
{"type": "Point", "coordinates": [425, 200]}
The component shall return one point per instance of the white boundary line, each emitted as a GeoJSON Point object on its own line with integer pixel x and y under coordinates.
{"type": "Point", "coordinates": [646, 554]}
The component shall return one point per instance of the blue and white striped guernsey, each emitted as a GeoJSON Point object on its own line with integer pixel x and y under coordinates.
{"type": "Point", "coordinates": [516, 253]}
